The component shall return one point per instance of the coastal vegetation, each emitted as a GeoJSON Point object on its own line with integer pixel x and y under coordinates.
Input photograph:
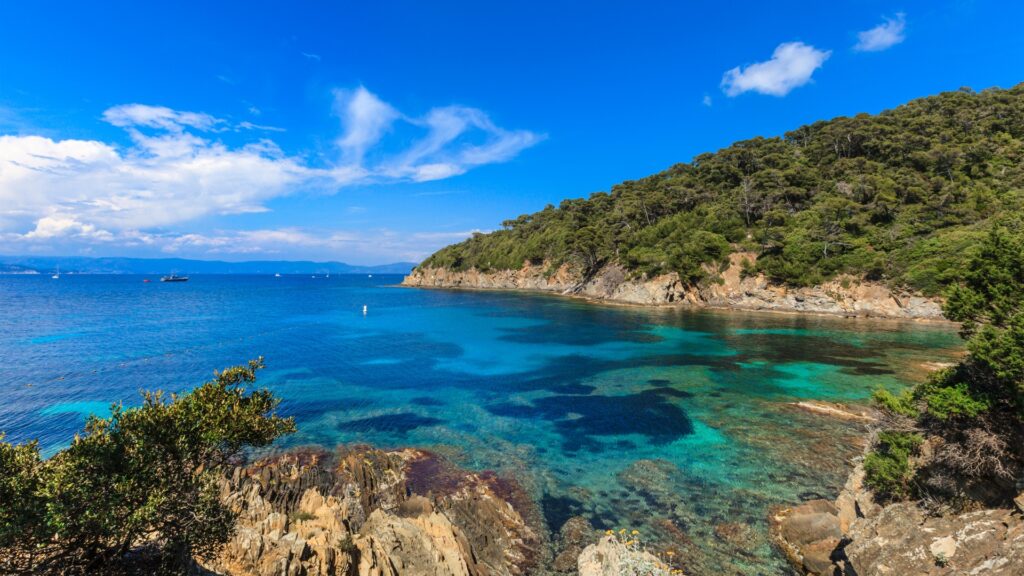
{"type": "Point", "coordinates": [903, 197]}
{"type": "Point", "coordinates": [959, 437]}
{"type": "Point", "coordinates": [141, 484]}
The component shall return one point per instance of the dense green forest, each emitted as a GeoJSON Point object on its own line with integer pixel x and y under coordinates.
{"type": "Point", "coordinates": [903, 197]}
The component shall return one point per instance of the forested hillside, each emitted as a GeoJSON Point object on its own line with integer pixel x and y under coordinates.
{"type": "Point", "coordinates": [902, 197]}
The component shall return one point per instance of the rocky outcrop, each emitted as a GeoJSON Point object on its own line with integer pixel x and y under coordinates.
{"type": "Point", "coordinates": [854, 536]}
{"type": "Point", "coordinates": [609, 557]}
{"type": "Point", "coordinates": [356, 513]}
{"type": "Point", "coordinates": [843, 296]}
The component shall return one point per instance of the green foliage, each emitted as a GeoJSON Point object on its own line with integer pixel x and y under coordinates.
{"type": "Point", "coordinates": [887, 468]}
{"type": "Point", "coordinates": [144, 475]}
{"type": "Point", "coordinates": [989, 301]}
{"type": "Point", "coordinates": [954, 402]}
{"type": "Point", "coordinates": [975, 409]}
{"type": "Point", "coordinates": [902, 404]}
{"type": "Point", "coordinates": [901, 197]}
{"type": "Point", "coordinates": [22, 524]}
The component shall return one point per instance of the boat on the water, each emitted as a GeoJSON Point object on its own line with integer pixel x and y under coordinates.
{"type": "Point", "coordinates": [57, 275]}
{"type": "Point", "coordinates": [174, 278]}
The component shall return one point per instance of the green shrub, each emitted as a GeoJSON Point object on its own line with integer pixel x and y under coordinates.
{"type": "Point", "coordinates": [902, 404]}
{"type": "Point", "coordinates": [887, 468]}
{"type": "Point", "coordinates": [954, 402]}
{"type": "Point", "coordinates": [146, 476]}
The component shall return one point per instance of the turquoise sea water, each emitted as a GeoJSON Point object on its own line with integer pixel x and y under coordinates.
{"type": "Point", "coordinates": [678, 423]}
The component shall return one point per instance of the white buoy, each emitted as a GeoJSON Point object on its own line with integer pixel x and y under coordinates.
{"type": "Point", "coordinates": [364, 309]}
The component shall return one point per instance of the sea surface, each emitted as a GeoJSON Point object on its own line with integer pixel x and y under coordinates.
{"type": "Point", "coordinates": [677, 423]}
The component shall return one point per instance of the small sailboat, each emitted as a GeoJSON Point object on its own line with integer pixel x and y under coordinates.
{"type": "Point", "coordinates": [56, 276]}
{"type": "Point", "coordinates": [364, 309]}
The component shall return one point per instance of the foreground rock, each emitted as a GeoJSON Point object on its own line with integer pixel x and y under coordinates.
{"type": "Point", "coordinates": [854, 536]}
{"type": "Point", "coordinates": [610, 558]}
{"type": "Point", "coordinates": [845, 297]}
{"type": "Point", "coordinates": [372, 513]}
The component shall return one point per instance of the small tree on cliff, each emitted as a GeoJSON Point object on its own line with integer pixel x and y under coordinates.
{"type": "Point", "coordinates": [972, 413]}
{"type": "Point", "coordinates": [144, 476]}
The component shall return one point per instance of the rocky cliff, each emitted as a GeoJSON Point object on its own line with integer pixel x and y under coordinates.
{"type": "Point", "coordinates": [854, 536]}
{"type": "Point", "coordinates": [371, 513]}
{"type": "Point", "coordinates": [843, 296]}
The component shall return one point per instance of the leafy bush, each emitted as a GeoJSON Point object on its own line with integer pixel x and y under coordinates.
{"type": "Point", "coordinates": [902, 404]}
{"type": "Point", "coordinates": [887, 468]}
{"type": "Point", "coordinates": [144, 476]}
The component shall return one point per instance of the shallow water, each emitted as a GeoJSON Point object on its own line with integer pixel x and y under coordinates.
{"type": "Point", "coordinates": [675, 422]}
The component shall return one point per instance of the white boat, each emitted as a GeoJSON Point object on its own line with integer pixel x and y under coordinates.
{"type": "Point", "coordinates": [57, 275]}
{"type": "Point", "coordinates": [278, 275]}
{"type": "Point", "coordinates": [369, 275]}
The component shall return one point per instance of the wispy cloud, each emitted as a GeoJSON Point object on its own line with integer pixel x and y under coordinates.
{"type": "Point", "coordinates": [310, 56]}
{"type": "Point", "coordinates": [792, 64]}
{"type": "Point", "coordinates": [365, 118]}
{"type": "Point", "coordinates": [176, 170]}
{"type": "Point", "coordinates": [706, 101]}
{"type": "Point", "coordinates": [884, 36]}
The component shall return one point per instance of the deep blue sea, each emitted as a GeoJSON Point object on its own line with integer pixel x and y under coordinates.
{"type": "Point", "coordinates": [679, 423]}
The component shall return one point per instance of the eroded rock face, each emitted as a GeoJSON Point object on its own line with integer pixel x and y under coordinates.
{"type": "Point", "coordinates": [316, 514]}
{"type": "Point", "coordinates": [857, 537]}
{"type": "Point", "coordinates": [845, 297]}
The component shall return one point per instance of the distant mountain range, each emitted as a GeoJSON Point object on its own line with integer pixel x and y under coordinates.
{"type": "Point", "coordinates": [82, 265]}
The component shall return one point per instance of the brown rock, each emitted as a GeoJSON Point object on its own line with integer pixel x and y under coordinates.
{"type": "Point", "coordinates": [575, 535]}
{"type": "Point", "coordinates": [313, 514]}
{"type": "Point", "coordinates": [901, 539]}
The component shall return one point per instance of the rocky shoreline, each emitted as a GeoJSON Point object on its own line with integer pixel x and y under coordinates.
{"type": "Point", "coordinates": [367, 512]}
{"type": "Point", "coordinates": [840, 297]}
{"type": "Point", "coordinates": [855, 536]}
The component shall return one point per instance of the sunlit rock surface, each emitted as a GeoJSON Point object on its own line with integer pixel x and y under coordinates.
{"type": "Point", "coordinates": [316, 514]}
{"type": "Point", "coordinates": [856, 537]}
{"type": "Point", "coordinates": [842, 296]}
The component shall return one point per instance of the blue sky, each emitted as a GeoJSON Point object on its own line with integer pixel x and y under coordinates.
{"type": "Point", "coordinates": [371, 132]}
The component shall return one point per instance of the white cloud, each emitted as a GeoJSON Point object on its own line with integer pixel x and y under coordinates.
{"type": "Point", "coordinates": [175, 170]}
{"type": "Point", "coordinates": [707, 100]}
{"type": "Point", "coordinates": [161, 117]}
{"type": "Point", "coordinates": [365, 117]}
{"type": "Point", "coordinates": [311, 56]}
{"type": "Point", "coordinates": [791, 66]}
{"type": "Point", "coordinates": [378, 245]}
{"type": "Point", "coordinates": [882, 37]}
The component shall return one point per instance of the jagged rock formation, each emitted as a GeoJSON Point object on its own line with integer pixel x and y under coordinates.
{"type": "Point", "coordinates": [371, 513]}
{"type": "Point", "coordinates": [854, 536]}
{"type": "Point", "coordinates": [844, 296]}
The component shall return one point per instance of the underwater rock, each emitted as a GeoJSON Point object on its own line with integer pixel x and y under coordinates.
{"type": "Point", "coordinates": [312, 513]}
{"type": "Point", "coordinates": [575, 535]}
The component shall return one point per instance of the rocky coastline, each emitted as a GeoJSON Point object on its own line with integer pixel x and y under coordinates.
{"type": "Point", "coordinates": [362, 511]}
{"type": "Point", "coordinates": [846, 296]}
{"type": "Point", "coordinates": [855, 536]}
